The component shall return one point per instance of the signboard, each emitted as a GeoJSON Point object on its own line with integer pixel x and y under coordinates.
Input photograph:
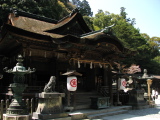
{"type": "Point", "coordinates": [72, 83]}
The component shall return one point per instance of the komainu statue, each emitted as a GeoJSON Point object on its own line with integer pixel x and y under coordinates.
{"type": "Point", "coordinates": [50, 86]}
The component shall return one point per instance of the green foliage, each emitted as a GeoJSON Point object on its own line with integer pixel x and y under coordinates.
{"type": "Point", "coordinates": [101, 19]}
{"type": "Point", "coordinates": [146, 37]}
{"type": "Point", "coordinates": [147, 48]}
{"type": "Point", "coordinates": [157, 59]}
{"type": "Point", "coordinates": [123, 13]}
{"type": "Point", "coordinates": [125, 31]}
{"type": "Point", "coordinates": [54, 9]}
{"type": "Point", "coordinates": [89, 21]}
{"type": "Point", "coordinates": [84, 7]}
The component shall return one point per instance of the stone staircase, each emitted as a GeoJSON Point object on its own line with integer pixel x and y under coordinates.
{"type": "Point", "coordinates": [98, 114]}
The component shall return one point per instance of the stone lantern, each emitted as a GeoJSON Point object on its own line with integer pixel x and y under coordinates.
{"type": "Point", "coordinates": [17, 109]}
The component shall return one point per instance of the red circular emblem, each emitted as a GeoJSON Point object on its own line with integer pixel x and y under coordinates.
{"type": "Point", "coordinates": [124, 83]}
{"type": "Point", "coordinates": [73, 82]}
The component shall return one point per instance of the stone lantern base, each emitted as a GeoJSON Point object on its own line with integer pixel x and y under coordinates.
{"type": "Point", "coordinates": [16, 117]}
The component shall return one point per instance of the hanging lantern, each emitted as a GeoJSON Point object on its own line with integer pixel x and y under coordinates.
{"type": "Point", "coordinates": [72, 83]}
{"type": "Point", "coordinates": [72, 79]}
{"type": "Point", "coordinates": [122, 84]}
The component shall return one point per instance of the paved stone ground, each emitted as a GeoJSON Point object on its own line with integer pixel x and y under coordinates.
{"type": "Point", "coordinates": [143, 114]}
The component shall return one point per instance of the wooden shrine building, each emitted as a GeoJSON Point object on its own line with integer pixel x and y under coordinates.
{"type": "Point", "coordinates": [53, 47]}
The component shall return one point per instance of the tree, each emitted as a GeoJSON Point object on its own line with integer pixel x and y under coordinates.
{"type": "Point", "coordinates": [130, 70]}
{"type": "Point", "coordinates": [125, 31]}
{"type": "Point", "coordinates": [146, 37]}
{"type": "Point", "coordinates": [84, 7]}
{"type": "Point", "coordinates": [54, 9]}
{"type": "Point", "coordinates": [123, 13]}
{"type": "Point", "coordinates": [146, 48]}
{"type": "Point", "coordinates": [133, 69]}
{"type": "Point", "coordinates": [89, 21]}
{"type": "Point", "coordinates": [102, 19]}
{"type": "Point", "coordinates": [76, 2]}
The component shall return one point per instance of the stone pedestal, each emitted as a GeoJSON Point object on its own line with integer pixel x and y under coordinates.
{"type": "Point", "coordinates": [16, 117]}
{"type": "Point", "coordinates": [50, 106]}
{"type": "Point", "coordinates": [136, 99]}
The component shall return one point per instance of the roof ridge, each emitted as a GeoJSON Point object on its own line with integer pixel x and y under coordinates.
{"type": "Point", "coordinates": [106, 30]}
{"type": "Point", "coordinates": [70, 15]}
{"type": "Point", "coordinates": [34, 16]}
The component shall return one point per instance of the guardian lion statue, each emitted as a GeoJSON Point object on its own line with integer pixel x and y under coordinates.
{"type": "Point", "coordinates": [50, 86]}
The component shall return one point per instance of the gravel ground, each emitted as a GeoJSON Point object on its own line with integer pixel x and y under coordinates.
{"type": "Point", "coordinates": [143, 114]}
{"type": "Point", "coordinates": [149, 112]}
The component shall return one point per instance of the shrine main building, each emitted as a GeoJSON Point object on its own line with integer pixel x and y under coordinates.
{"type": "Point", "coordinates": [54, 47]}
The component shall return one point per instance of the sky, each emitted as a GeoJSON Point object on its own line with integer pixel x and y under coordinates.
{"type": "Point", "coordinates": [146, 12]}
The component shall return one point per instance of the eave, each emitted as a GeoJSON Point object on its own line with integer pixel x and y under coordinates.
{"type": "Point", "coordinates": [34, 16]}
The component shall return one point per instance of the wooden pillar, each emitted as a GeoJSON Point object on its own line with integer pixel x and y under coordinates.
{"type": "Point", "coordinates": [118, 85]}
{"type": "Point", "coordinates": [105, 77]}
{"type": "Point", "coordinates": [110, 84]}
{"type": "Point", "coordinates": [149, 82]}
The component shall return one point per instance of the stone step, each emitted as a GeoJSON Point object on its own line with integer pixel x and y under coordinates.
{"type": "Point", "coordinates": [65, 118]}
{"type": "Point", "coordinates": [82, 106]}
{"type": "Point", "coordinates": [110, 109]}
{"type": "Point", "coordinates": [82, 114]}
{"type": "Point", "coordinates": [100, 115]}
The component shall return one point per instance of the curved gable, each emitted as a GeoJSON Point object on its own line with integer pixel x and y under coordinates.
{"type": "Point", "coordinates": [73, 22]}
